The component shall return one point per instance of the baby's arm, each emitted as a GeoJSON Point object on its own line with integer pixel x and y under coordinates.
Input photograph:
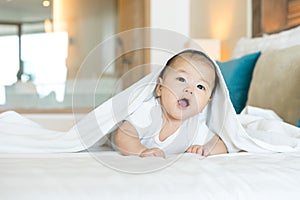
{"type": "Point", "coordinates": [212, 147]}
{"type": "Point", "coordinates": [128, 143]}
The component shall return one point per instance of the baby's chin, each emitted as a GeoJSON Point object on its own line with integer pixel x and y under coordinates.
{"type": "Point", "coordinates": [181, 116]}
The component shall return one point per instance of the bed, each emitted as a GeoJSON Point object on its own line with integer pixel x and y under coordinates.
{"type": "Point", "coordinates": [102, 173]}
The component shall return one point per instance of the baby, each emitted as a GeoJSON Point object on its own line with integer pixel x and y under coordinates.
{"type": "Point", "coordinates": [183, 90]}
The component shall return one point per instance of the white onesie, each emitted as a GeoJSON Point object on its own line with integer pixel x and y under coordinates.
{"type": "Point", "coordinates": [147, 120]}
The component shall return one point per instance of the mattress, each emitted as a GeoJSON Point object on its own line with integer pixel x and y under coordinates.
{"type": "Point", "coordinates": [108, 175]}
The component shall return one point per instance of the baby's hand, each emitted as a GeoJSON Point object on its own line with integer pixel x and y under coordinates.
{"type": "Point", "coordinates": [153, 152]}
{"type": "Point", "coordinates": [212, 147]}
{"type": "Point", "coordinates": [198, 149]}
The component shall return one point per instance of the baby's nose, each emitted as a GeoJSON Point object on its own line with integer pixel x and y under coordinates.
{"type": "Point", "coordinates": [188, 90]}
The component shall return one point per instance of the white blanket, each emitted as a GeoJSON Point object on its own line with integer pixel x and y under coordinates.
{"type": "Point", "coordinates": [253, 131]}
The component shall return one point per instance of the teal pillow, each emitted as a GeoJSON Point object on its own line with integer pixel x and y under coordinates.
{"type": "Point", "coordinates": [237, 74]}
{"type": "Point", "coordinates": [298, 123]}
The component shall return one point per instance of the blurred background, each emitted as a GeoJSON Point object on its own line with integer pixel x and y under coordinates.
{"type": "Point", "coordinates": [43, 44]}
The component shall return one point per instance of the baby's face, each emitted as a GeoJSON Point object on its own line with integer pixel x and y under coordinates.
{"type": "Point", "coordinates": [185, 88]}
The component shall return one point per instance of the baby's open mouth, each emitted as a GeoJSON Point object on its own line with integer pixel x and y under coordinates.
{"type": "Point", "coordinates": [183, 102]}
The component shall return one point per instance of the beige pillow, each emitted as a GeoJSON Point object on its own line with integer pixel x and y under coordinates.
{"type": "Point", "coordinates": [276, 83]}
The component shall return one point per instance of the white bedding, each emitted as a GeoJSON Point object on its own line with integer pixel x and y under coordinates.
{"type": "Point", "coordinates": [81, 176]}
{"type": "Point", "coordinates": [254, 133]}
{"type": "Point", "coordinates": [40, 173]}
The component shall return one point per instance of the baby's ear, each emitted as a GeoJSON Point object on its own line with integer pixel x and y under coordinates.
{"type": "Point", "coordinates": [158, 87]}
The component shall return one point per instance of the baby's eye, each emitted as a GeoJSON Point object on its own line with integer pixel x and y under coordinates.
{"type": "Point", "coordinates": [181, 79]}
{"type": "Point", "coordinates": [200, 87]}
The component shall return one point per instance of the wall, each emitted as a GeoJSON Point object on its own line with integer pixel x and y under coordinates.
{"type": "Point", "coordinates": [171, 14]}
{"type": "Point", "coordinates": [88, 23]}
{"type": "Point", "coordinates": [226, 20]}
{"type": "Point", "coordinates": [91, 21]}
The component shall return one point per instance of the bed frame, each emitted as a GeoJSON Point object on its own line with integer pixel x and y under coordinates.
{"type": "Point", "coordinates": [272, 16]}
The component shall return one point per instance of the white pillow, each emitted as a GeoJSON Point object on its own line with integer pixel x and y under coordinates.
{"type": "Point", "coordinates": [280, 40]}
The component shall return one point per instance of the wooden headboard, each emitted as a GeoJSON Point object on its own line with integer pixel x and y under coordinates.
{"type": "Point", "coordinates": [271, 16]}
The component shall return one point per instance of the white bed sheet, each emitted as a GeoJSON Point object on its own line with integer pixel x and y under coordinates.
{"type": "Point", "coordinates": [81, 176]}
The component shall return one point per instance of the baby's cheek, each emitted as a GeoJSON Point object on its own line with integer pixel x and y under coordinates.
{"type": "Point", "coordinates": [200, 105]}
{"type": "Point", "coordinates": [175, 94]}
{"type": "Point", "coordinates": [170, 90]}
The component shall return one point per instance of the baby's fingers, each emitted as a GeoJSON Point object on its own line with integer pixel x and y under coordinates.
{"type": "Point", "coordinates": [195, 149]}
{"type": "Point", "coordinates": [200, 150]}
{"type": "Point", "coordinates": [189, 150]}
{"type": "Point", "coordinates": [159, 153]}
{"type": "Point", "coordinates": [206, 152]}
{"type": "Point", "coordinates": [153, 152]}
